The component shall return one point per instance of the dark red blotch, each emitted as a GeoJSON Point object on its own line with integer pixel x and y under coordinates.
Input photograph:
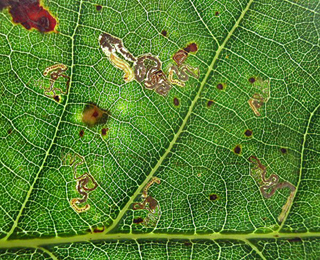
{"type": "Point", "coordinates": [30, 14]}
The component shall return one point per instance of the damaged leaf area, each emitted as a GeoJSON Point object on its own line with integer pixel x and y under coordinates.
{"type": "Point", "coordinates": [159, 129]}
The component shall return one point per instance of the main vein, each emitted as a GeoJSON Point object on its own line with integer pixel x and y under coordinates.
{"type": "Point", "coordinates": [15, 223]}
{"type": "Point", "coordinates": [177, 134]}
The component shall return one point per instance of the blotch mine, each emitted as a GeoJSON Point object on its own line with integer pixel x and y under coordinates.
{"type": "Point", "coordinates": [30, 14]}
{"type": "Point", "coordinates": [93, 115]}
{"type": "Point", "coordinates": [192, 47]}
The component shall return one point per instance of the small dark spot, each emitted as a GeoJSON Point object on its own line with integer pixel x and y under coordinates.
{"type": "Point", "coordinates": [295, 239]}
{"type": "Point", "coordinates": [187, 243]}
{"type": "Point", "coordinates": [138, 220]}
{"type": "Point", "coordinates": [192, 47]}
{"type": "Point", "coordinates": [213, 197]}
{"type": "Point", "coordinates": [210, 103]}
{"type": "Point", "coordinates": [220, 86]}
{"type": "Point", "coordinates": [276, 235]}
{"type": "Point", "coordinates": [176, 101]}
{"type": "Point", "coordinates": [98, 230]}
{"type": "Point", "coordinates": [9, 131]}
{"type": "Point", "coordinates": [164, 33]}
{"type": "Point", "coordinates": [104, 131]}
{"type": "Point", "coordinates": [252, 80]}
{"type": "Point", "coordinates": [216, 13]}
{"type": "Point", "coordinates": [283, 150]}
{"type": "Point", "coordinates": [98, 7]}
{"type": "Point", "coordinates": [81, 133]}
{"type": "Point", "coordinates": [56, 98]}
{"type": "Point", "coordinates": [264, 218]}
{"type": "Point", "coordinates": [248, 133]}
{"type": "Point", "coordinates": [93, 115]}
{"type": "Point", "coordinates": [237, 149]}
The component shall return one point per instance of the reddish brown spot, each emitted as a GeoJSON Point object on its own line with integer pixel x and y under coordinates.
{"type": "Point", "coordinates": [192, 47]}
{"type": "Point", "coordinates": [98, 7]}
{"type": "Point", "coordinates": [252, 80]}
{"type": "Point", "coordinates": [283, 150]}
{"type": "Point", "coordinates": [237, 149]}
{"type": "Point", "coordinates": [176, 101]}
{"type": "Point", "coordinates": [104, 131]}
{"type": "Point", "coordinates": [216, 13]}
{"type": "Point", "coordinates": [138, 220]}
{"type": "Point", "coordinates": [248, 133]}
{"type": "Point", "coordinates": [9, 131]}
{"type": "Point", "coordinates": [93, 115]}
{"type": "Point", "coordinates": [220, 86]}
{"type": "Point", "coordinates": [164, 33]}
{"type": "Point", "coordinates": [213, 197]}
{"type": "Point", "coordinates": [81, 133]}
{"type": "Point", "coordinates": [210, 103]}
{"type": "Point", "coordinates": [30, 14]}
{"type": "Point", "coordinates": [98, 230]}
{"type": "Point", "coordinates": [56, 98]}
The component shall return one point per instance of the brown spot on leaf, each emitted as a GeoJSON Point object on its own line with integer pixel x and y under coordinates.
{"type": "Point", "coordinates": [138, 220]}
{"type": "Point", "coordinates": [164, 33]}
{"type": "Point", "coordinates": [56, 98]}
{"type": "Point", "coordinates": [98, 7]}
{"type": "Point", "coordinates": [283, 150]}
{"type": "Point", "coordinates": [210, 103]}
{"type": "Point", "coordinates": [98, 230]}
{"type": "Point", "coordinates": [220, 86]}
{"type": "Point", "coordinates": [252, 80]}
{"type": "Point", "coordinates": [216, 13]}
{"type": "Point", "coordinates": [237, 149]}
{"type": "Point", "coordinates": [192, 47]}
{"type": "Point", "coordinates": [9, 131]}
{"type": "Point", "coordinates": [213, 197]}
{"type": "Point", "coordinates": [248, 133]}
{"type": "Point", "coordinates": [104, 131]}
{"type": "Point", "coordinates": [81, 133]}
{"type": "Point", "coordinates": [176, 101]}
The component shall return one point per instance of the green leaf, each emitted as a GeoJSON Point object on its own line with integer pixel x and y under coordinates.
{"type": "Point", "coordinates": [235, 152]}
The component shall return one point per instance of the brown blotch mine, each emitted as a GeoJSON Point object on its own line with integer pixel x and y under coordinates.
{"type": "Point", "coordinates": [98, 7]}
{"type": "Point", "coordinates": [210, 103]}
{"type": "Point", "coordinates": [283, 150]}
{"type": "Point", "coordinates": [252, 80]}
{"type": "Point", "coordinates": [138, 220]}
{"type": "Point", "coordinates": [104, 131]}
{"type": "Point", "coordinates": [213, 197]}
{"type": "Point", "coordinates": [248, 133]}
{"type": "Point", "coordinates": [176, 101]}
{"type": "Point", "coordinates": [93, 115]}
{"type": "Point", "coordinates": [192, 47]}
{"type": "Point", "coordinates": [81, 133]}
{"type": "Point", "coordinates": [164, 33]}
{"type": "Point", "coordinates": [237, 149]}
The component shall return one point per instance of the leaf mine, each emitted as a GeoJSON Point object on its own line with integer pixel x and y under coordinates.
{"type": "Point", "coordinates": [268, 186]}
{"type": "Point", "coordinates": [30, 14]}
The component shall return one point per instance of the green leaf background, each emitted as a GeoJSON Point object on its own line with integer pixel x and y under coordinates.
{"type": "Point", "coordinates": [189, 147]}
